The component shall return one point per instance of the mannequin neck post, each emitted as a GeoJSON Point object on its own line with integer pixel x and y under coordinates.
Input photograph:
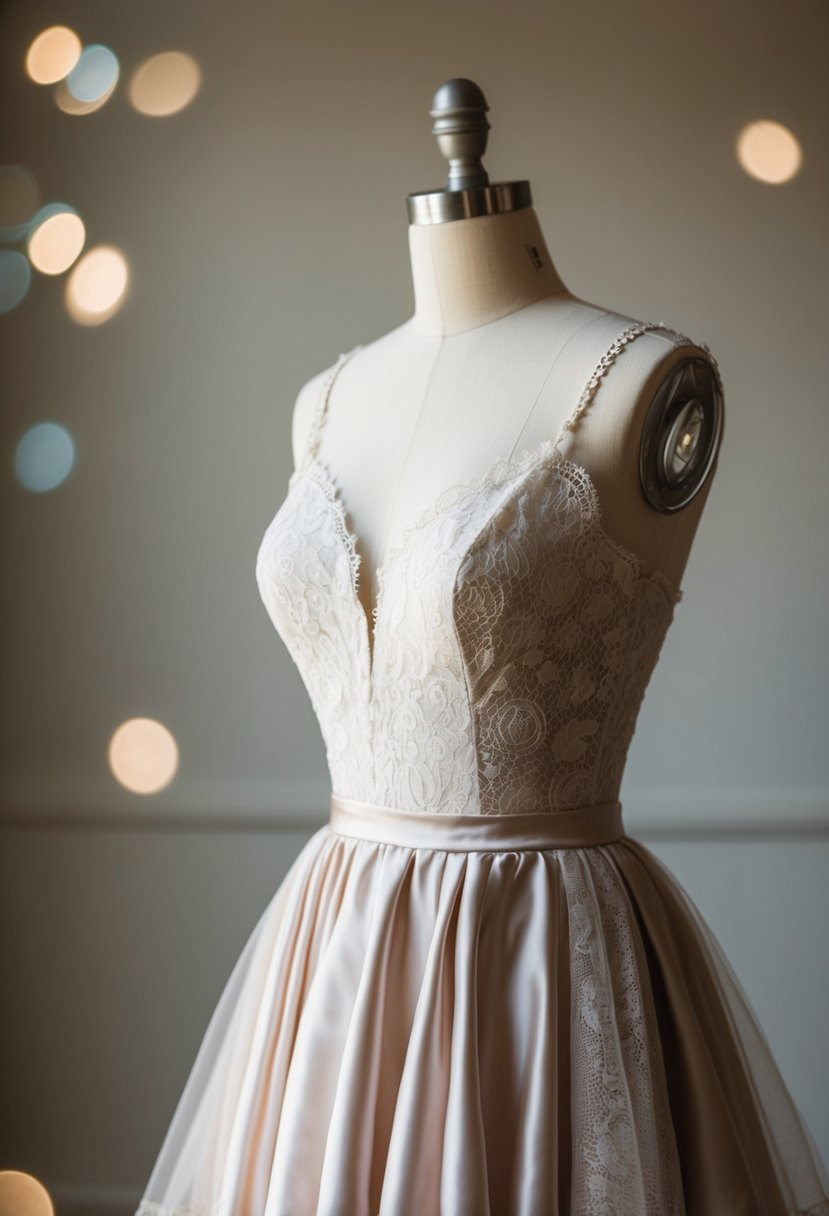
{"type": "Point", "coordinates": [469, 272]}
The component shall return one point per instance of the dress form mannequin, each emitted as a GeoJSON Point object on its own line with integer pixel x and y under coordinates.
{"type": "Point", "coordinates": [493, 361]}
{"type": "Point", "coordinates": [474, 992]}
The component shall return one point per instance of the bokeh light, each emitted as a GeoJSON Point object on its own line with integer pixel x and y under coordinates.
{"type": "Point", "coordinates": [22, 1195]}
{"type": "Point", "coordinates": [44, 457]}
{"type": "Point", "coordinates": [19, 199]}
{"type": "Point", "coordinates": [769, 152]}
{"type": "Point", "coordinates": [70, 105]}
{"type": "Point", "coordinates": [94, 76]}
{"type": "Point", "coordinates": [164, 84]}
{"type": "Point", "coordinates": [56, 239]}
{"type": "Point", "coordinates": [143, 755]}
{"type": "Point", "coordinates": [15, 277]}
{"type": "Point", "coordinates": [96, 285]}
{"type": "Point", "coordinates": [53, 54]}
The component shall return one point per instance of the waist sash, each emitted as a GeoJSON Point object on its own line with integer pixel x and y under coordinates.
{"type": "Point", "coordinates": [600, 823]}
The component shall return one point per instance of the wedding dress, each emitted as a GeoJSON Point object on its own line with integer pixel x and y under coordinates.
{"type": "Point", "coordinates": [473, 993]}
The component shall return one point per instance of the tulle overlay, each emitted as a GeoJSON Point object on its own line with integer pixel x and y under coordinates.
{"type": "Point", "coordinates": [417, 1031]}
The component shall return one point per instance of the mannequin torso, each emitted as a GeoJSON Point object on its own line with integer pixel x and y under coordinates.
{"type": "Point", "coordinates": [492, 363]}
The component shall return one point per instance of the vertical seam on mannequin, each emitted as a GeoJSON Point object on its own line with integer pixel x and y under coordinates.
{"type": "Point", "coordinates": [641, 328]}
{"type": "Point", "coordinates": [382, 550]}
{"type": "Point", "coordinates": [547, 376]}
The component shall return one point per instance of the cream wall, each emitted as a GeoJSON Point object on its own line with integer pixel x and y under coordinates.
{"type": "Point", "coordinates": [266, 231]}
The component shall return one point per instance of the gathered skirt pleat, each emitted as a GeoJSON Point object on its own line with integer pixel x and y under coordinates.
{"type": "Point", "coordinates": [421, 1032]}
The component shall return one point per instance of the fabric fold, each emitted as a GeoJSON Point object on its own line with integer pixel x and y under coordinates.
{"type": "Point", "coordinates": [414, 1031]}
{"type": "Point", "coordinates": [732, 1112]}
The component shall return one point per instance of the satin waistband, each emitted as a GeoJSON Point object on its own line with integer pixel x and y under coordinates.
{"type": "Point", "coordinates": [600, 823]}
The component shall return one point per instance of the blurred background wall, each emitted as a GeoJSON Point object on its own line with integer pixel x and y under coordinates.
{"type": "Point", "coordinates": [231, 248]}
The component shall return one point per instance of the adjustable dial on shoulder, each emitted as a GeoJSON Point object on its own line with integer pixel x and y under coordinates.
{"type": "Point", "coordinates": [682, 433]}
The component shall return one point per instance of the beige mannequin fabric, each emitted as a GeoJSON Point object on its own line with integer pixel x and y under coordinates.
{"type": "Point", "coordinates": [492, 361]}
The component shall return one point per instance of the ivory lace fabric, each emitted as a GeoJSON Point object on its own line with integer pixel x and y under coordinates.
{"type": "Point", "coordinates": [422, 1029]}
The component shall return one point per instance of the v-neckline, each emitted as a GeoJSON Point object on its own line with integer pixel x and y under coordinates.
{"type": "Point", "coordinates": [500, 472]}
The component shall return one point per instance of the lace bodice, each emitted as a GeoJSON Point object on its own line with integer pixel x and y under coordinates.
{"type": "Point", "coordinates": [511, 643]}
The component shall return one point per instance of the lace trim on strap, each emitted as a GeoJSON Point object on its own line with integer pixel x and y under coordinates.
{"type": "Point", "coordinates": [502, 470]}
{"type": "Point", "coordinates": [629, 335]}
{"type": "Point", "coordinates": [315, 434]}
{"type": "Point", "coordinates": [323, 478]}
{"type": "Point", "coordinates": [505, 468]}
{"type": "Point", "coordinates": [608, 358]}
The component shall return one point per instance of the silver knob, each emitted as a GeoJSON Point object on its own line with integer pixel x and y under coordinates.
{"type": "Point", "coordinates": [461, 128]}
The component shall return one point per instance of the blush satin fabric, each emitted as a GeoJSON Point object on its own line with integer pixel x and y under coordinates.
{"type": "Point", "coordinates": [600, 823]}
{"type": "Point", "coordinates": [500, 1027]}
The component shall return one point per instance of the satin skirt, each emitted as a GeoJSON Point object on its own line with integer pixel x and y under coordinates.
{"type": "Point", "coordinates": [523, 1015]}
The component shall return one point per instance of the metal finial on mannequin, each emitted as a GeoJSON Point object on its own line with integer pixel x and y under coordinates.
{"type": "Point", "coordinates": [462, 130]}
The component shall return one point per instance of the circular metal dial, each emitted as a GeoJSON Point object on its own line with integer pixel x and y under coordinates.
{"type": "Point", "coordinates": [681, 435]}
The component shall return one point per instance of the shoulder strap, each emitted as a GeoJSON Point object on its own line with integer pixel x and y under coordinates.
{"type": "Point", "coordinates": [617, 345]}
{"type": "Point", "coordinates": [321, 412]}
